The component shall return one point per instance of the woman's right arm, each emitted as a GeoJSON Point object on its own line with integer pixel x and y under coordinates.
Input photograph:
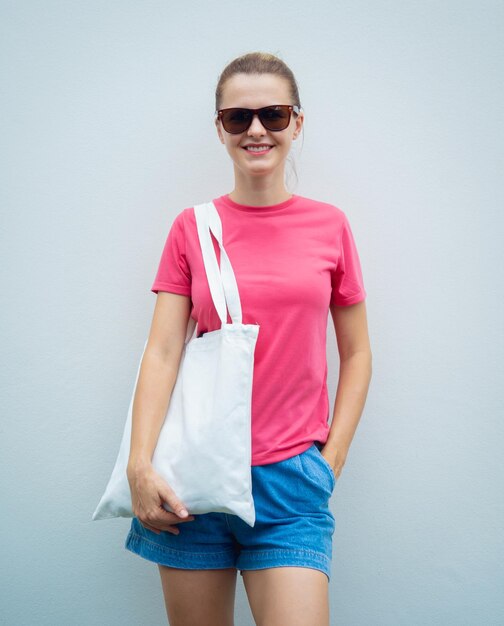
{"type": "Point", "coordinates": [157, 377]}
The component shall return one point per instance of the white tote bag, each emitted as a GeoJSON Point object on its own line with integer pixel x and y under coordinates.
{"type": "Point", "coordinates": [204, 446]}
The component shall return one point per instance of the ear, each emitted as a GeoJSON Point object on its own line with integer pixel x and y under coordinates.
{"type": "Point", "coordinates": [219, 130]}
{"type": "Point", "coordinates": [299, 125]}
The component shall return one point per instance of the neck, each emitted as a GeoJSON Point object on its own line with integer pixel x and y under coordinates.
{"type": "Point", "coordinates": [259, 190]}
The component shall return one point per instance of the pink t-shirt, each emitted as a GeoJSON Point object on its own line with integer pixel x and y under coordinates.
{"type": "Point", "coordinates": [291, 260]}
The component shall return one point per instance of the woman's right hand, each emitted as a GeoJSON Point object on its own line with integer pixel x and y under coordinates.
{"type": "Point", "coordinates": [148, 492]}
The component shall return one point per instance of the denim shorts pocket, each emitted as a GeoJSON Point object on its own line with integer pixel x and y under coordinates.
{"type": "Point", "coordinates": [326, 464]}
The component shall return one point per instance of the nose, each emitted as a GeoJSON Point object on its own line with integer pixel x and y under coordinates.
{"type": "Point", "coordinates": [256, 128]}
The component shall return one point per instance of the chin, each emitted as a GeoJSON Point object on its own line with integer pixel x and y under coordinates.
{"type": "Point", "coordinates": [260, 168]}
{"type": "Point", "coordinates": [258, 172]}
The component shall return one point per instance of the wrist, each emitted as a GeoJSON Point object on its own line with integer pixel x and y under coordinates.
{"type": "Point", "coordinates": [336, 453]}
{"type": "Point", "coordinates": [334, 448]}
{"type": "Point", "coordinates": [138, 466]}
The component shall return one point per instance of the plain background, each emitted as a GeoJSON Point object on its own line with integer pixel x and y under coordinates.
{"type": "Point", "coordinates": [107, 133]}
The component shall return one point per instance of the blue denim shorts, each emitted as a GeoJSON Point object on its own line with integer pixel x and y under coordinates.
{"type": "Point", "coordinates": [294, 524]}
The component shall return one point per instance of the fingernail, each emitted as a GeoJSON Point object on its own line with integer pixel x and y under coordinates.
{"type": "Point", "coordinates": [183, 513]}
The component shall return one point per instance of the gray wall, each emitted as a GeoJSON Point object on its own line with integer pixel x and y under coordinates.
{"type": "Point", "coordinates": [107, 134]}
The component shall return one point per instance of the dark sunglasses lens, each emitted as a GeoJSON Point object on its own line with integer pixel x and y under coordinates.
{"type": "Point", "coordinates": [275, 118]}
{"type": "Point", "coordinates": [236, 120]}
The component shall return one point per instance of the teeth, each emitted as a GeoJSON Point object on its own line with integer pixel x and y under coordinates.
{"type": "Point", "coordinates": [258, 149]}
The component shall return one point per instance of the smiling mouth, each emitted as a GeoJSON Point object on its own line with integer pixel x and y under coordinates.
{"type": "Point", "coordinates": [260, 149]}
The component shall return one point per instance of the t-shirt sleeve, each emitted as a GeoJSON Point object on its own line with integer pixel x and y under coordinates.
{"type": "Point", "coordinates": [173, 272]}
{"type": "Point", "coordinates": [347, 280]}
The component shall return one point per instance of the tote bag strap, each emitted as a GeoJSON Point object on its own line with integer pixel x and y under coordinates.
{"type": "Point", "coordinates": [222, 282]}
{"type": "Point", "coordinates": [226, 269]}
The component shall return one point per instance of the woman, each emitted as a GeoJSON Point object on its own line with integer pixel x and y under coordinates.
{"type": "Point", "coordinates": [295, 261]}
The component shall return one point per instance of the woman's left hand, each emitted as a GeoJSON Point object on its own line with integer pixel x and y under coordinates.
{"type": "Point", "coordinates": [335, 460]}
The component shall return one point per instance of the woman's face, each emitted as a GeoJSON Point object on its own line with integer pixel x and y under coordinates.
{"type": "Point", "coordinates": [253, 91]}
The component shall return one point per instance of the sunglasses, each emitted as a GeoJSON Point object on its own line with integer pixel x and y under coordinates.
{"type": "Point", "coordinates": [274, 117]}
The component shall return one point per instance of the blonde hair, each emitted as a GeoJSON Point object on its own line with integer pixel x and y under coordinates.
{"type": "Point", "coordinates": [257, 63]}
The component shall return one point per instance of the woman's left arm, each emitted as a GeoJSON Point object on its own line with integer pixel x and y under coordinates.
{"type": "Point", "coordinates": [350, 325]}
